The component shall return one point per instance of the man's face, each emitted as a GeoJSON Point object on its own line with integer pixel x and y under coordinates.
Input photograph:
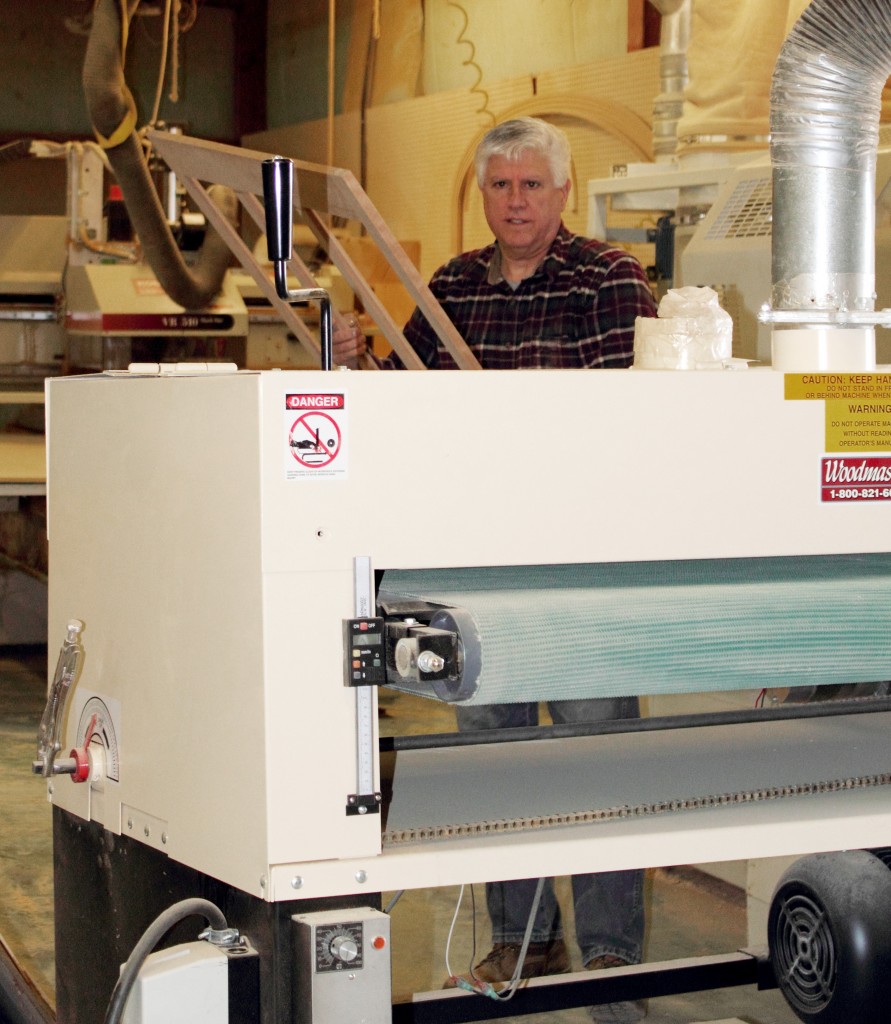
{"type": "Point", "coordinates": [522, 204]}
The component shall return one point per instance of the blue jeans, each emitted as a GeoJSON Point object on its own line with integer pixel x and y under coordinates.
{"type": "Point", "coordinates": [609, 916]}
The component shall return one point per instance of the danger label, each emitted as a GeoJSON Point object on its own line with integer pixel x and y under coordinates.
{"type": "Point", "coordinates": [314, 401]}
{"type": "Point", "coordinates": [316, 433]}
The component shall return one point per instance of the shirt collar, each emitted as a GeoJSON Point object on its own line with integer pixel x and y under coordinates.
{"type": "Point", "coordinates": [553, 260]}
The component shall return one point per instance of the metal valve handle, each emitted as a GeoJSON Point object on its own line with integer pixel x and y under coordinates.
{"type": "Point", "coordinates": [278, 199]}
{"type": "Point", "coordinates": [49, 736]}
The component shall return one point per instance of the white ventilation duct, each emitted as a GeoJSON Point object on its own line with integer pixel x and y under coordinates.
{"type": "Point", "coordinates": [732, 53]}
{"type": "Point", "coordinates": [668, 107]}
{"type": "Point", "coordinates": [824, 123]}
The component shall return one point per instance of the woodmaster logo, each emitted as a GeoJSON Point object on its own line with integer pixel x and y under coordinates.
{"type": "Point", "coordinates": [857, 479]}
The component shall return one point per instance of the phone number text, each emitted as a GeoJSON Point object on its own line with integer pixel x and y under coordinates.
{"type": "Point", "coordinates": [857, 494]}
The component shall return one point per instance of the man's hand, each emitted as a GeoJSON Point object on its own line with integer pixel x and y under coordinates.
{"type": "Point", "coordinates": [349, 343]}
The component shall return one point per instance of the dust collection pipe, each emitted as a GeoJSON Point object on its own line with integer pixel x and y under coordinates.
{"type": "Point", "coordinates": [112, 112]}
{"type": "Point", "coordinates": [824, 123]}
{"type": "Point", "coordinates": [668, 107]}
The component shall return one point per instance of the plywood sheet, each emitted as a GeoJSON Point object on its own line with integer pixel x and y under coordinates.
{"type": "Point", "coordinates": [467, 43]}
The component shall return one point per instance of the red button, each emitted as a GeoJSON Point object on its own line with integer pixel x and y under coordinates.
{"type": "Point", "coordinates": [379, 942]}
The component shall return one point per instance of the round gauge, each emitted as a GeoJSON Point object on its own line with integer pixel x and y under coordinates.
{"type": "Point", "coordinates": [96, 722]}
{"type": "Point", "coordinates": [339, 947]}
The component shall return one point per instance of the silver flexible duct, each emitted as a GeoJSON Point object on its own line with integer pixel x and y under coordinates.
{"type": "Point", "coordinates": [825, 110]}
{"type": "Point", "coordinates": [110, 106]}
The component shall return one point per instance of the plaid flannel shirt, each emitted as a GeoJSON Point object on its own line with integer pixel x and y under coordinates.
{"type": "Point", "coordinates": [576, 311]}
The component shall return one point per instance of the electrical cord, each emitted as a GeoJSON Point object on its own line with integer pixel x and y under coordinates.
{"type": "Point", "coordinates": [452, 931]}
{"type": "Point", "coordinates": [150, 938]}
{"type": "Point", "coordinates": [396, 898]}
{"type": "Point", "coordinates": [473, 931]}
{"type": "Point", "coordinates": [162, 70]}
{"type": "Point", "coordinates": [521, 958]}
{"type": "Point", "coordinates": [485, 988]}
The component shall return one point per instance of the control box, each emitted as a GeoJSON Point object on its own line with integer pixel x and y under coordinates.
{"type": "Point", "coordinates": [365, 652]}
{"type": "Point", "coordinates": [197, 982]}
{"type": "Point", "coordinates": [342, 968]}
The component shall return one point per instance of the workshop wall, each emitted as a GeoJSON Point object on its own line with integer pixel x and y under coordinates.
{"type": "Point", "coordinates": [43, 51]}
{"type": "Point", "coordinates": [440, 81]}
{"type": "Point", "coordinates": [401, 49]}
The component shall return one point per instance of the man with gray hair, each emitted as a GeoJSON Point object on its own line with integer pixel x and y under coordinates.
{"type": "Point", "coordinates": [540, 296]}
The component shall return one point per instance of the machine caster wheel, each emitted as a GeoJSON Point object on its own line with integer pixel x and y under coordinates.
{"type": "Point", "coordinates": [829, 935]}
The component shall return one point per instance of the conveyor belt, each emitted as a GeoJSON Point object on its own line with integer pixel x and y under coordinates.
{"type": "Point", "coordinates": [468, 791]}
{"type": "Point", "coordinates": [561, 632]}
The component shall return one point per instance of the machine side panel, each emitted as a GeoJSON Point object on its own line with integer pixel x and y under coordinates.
{"type": "Point", "coordinates": [155, 536]}
{"type": "Point", "coordinates": [311, 726]}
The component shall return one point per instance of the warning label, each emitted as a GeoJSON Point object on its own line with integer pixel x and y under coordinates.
{"type": "Point", "coordinates": [858, 408]}
{"type": "Point", "coordinates": [837, 386]}
{"type": "Point", "coordinates": [315, 426]}
{"type": "Point", "coordinates": [858, 426]}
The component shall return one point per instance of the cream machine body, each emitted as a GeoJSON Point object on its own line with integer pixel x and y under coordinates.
{"type": "Point", "coordinates": [236, 546]}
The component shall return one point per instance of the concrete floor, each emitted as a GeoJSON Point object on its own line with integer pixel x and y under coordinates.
{"type": "Point", "coordinates": [688, 913]}
{"type": "Point", "coordinates": [26, 870]}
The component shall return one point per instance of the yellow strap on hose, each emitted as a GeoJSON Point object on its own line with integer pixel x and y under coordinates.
{"type": "Point", "coordinates": [123, 130]}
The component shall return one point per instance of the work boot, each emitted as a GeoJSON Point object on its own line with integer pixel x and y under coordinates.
{"type": "Point", "coordinates": [614, 1013]}
{"type": "Point", "coordinates": [499, 966]}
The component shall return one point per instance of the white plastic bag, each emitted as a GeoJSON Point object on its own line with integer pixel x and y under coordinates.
{"type": "Point", "coordinates": [691, 332]}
